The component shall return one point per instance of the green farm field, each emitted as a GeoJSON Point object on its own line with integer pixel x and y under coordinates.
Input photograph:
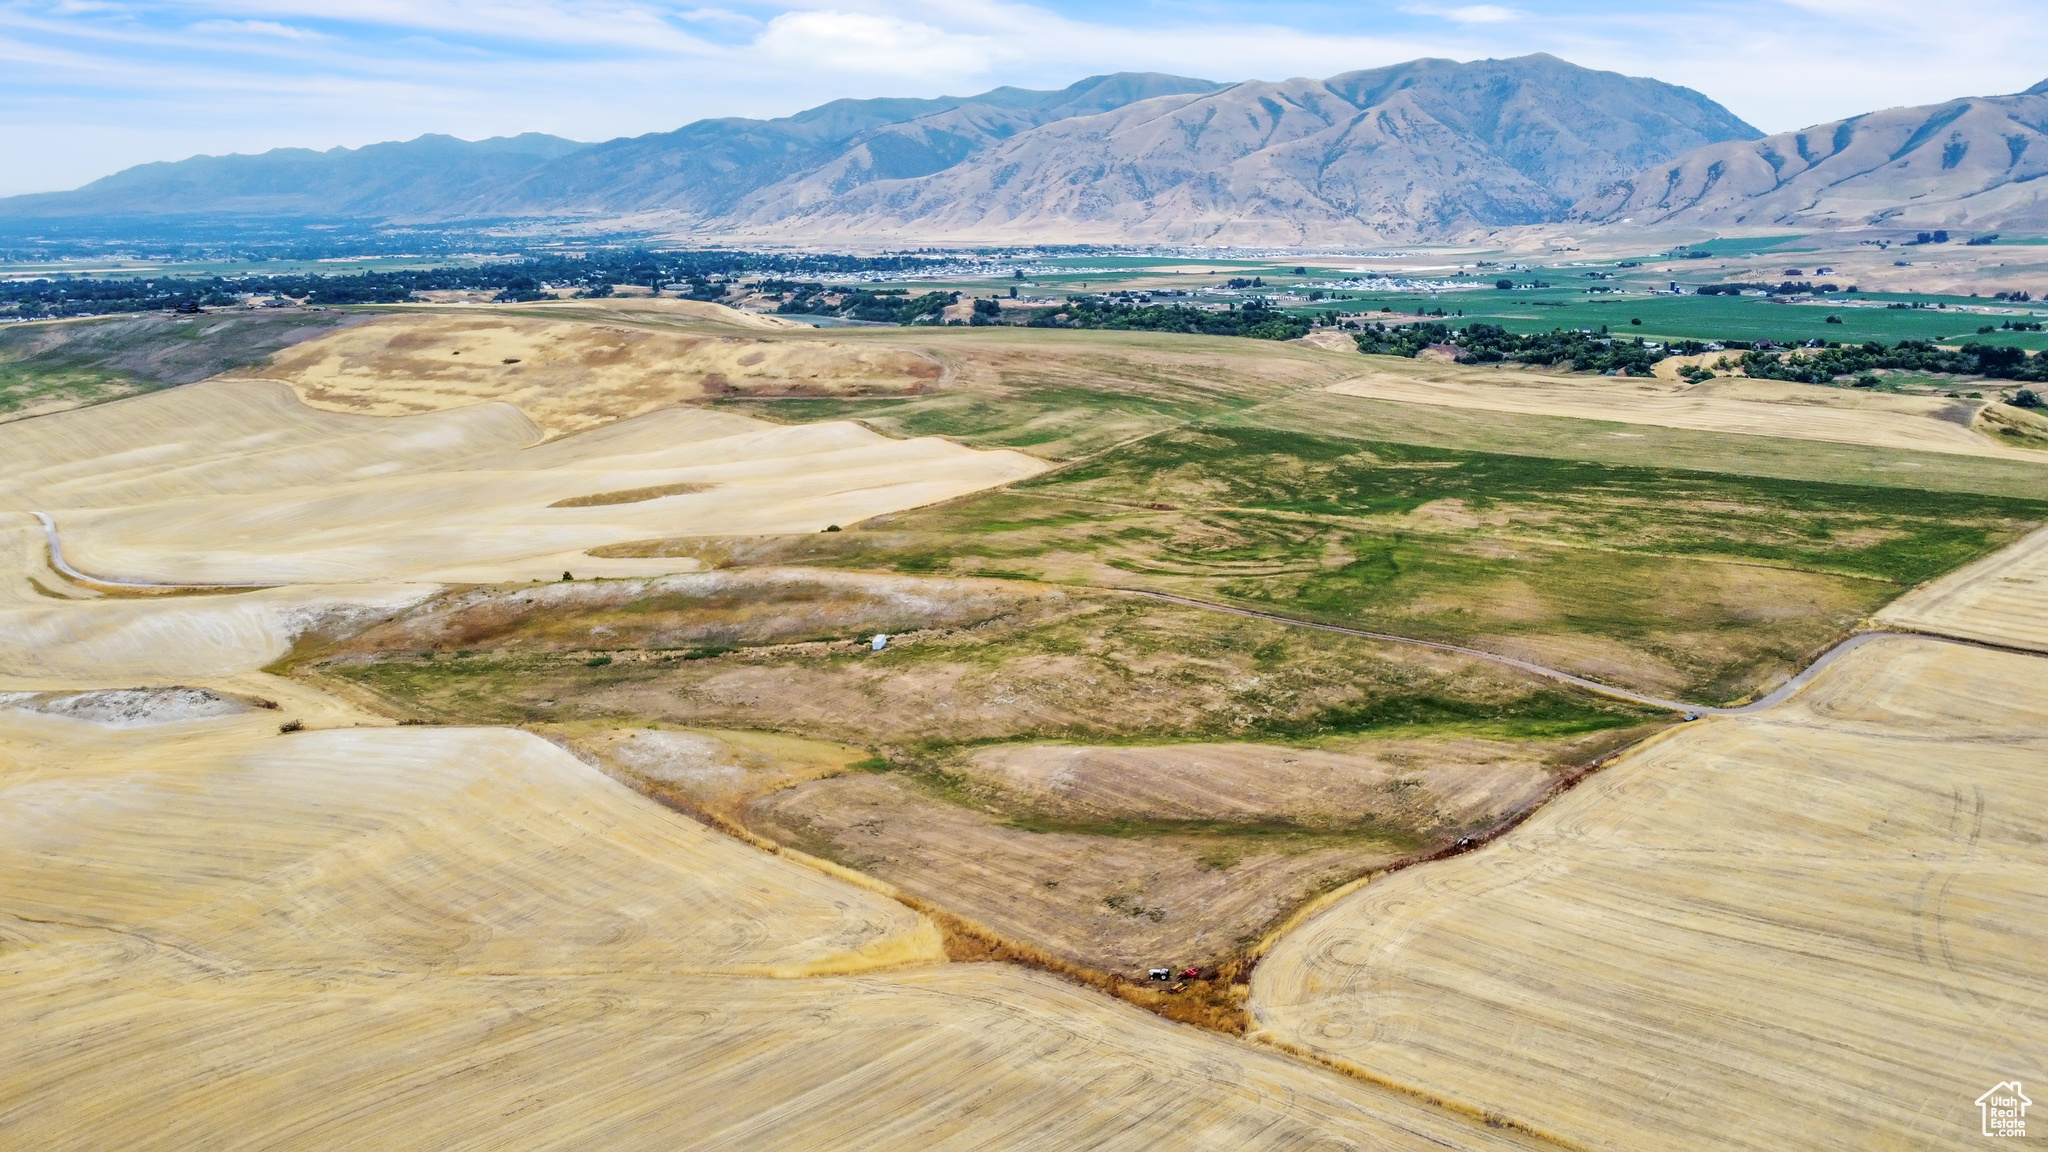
{"type": "Point", "coordinates": [1701, 565]}
{"type": "Point", "coordinates": [1691, 317]}
{"type": "Point", "coordinates": [1702, 585]}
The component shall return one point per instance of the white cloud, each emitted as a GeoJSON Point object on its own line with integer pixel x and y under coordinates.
{"type": "Point", "coordinates": [253, 28]}
{"type": "Point", "coordinates": [1469, 14]}
{"type": "Point", "coordinates": [718, 16]}
{"type": "Point", "coordinates": [857, 42]}
{"type": "Point", "coordinates": [1483, 14]}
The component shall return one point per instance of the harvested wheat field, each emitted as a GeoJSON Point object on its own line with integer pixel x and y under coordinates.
{"type": "Point", "coordinates": [2002, 599]}
{"type": "Point", "coordinates": [1742, 406]}
{"type": "Point", "coordinates": [218, 936]}
{"type": "Point", "coordinates": [394, 850]}
{"type": "Point", "coordinates": [443, 496]}
{"type": "Point", "coordinates": [955, 1057]}
{"type": "Point", "coordinates": [1817, 926]}
{"type": "Point", "coordinates": [569, 374]}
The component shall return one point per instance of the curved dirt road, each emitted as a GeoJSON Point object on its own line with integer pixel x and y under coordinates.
{"type": "Point", "coordinates": [58, 562]}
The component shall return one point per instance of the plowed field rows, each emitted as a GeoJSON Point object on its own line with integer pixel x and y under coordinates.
{"type": "Point", "coordinates": [2002, 599]}
{"type": "Point", "coordinates": [1816, 926]}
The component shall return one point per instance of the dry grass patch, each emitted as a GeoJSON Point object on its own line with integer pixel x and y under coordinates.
{"type": "Point", "coordinates": [58, 644]}
{"type": "Point", "coordinates": [2015, 426]}
{"type": "Point", "coordinates": [968, 661]}
{"type": "Point", "coordinates": [54, 366]}
{"type": "Point", "coordinates": [1121, 859]}
{"type": "Point", "coordinates": [705, 613]}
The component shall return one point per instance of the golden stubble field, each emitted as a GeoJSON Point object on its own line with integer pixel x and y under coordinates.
{"type": "Point", "coordinates": [219, 936]}
{"type": "Point", "coordinates": [1817, 926]}
{"type": "Point", "coordinates": [162, 489]}
{"type": "Point", "coordinates": [2001, 599]}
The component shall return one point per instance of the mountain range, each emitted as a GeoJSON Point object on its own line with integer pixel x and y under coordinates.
{"type": "Point", "coordinates": [1414, 151]}
{"type": "Point", "coordinates": [374, 181]}
{"type": "Point", "coordinates": [1970, 163]}
{"type": "Point", "coordinates": [1427, 150]}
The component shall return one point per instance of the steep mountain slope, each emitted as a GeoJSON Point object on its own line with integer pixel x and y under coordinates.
{"type": "Point", "coordinates": [1421, 149]}
{"type": "Point", "coordinates": [701, 169]}
{"type": "Point", "coordinates": [707, 167]}
{"type": "Point", "coordinates": [377, 179]}
{"type": "Point", "coordinates": [1971, 163]}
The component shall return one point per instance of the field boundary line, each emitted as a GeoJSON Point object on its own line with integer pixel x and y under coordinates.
{"type": "Point", "coordinates": [1774, 697]}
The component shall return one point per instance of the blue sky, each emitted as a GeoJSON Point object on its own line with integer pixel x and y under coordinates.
{"type": "Point", "coordinates": [88, 87]}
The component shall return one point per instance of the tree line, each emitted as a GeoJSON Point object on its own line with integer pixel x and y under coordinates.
{"type": "Point", "coordinates": [686, 273]}
{"type": "Point", "coordinates": [1255, 319]}
{"type": "Point", "coordinates": [1480, 343]}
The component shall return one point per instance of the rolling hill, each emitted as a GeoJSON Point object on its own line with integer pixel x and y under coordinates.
{"type": "Point", "coordinates": [1969, 163]}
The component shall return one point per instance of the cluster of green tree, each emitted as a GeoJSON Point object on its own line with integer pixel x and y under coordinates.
{"type": "Point", "coordinates": [694, 274]}
{"type": "Point", "coordinates": [1783, 288]}
{"type": "Point", "coordinates": [879, 305]}
{"type": "Point", "coordinates": [1255, 319]}
{"type": "Point", "coordinates": [1824, 365]}
{"type": "Point", "coordinates": [1491, 343]}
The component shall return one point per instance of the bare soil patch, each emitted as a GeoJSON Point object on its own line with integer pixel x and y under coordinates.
{"type": "Point", "coordinates": [631, 495]}
{"type": "Point", "coordinates": [128, 707]}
